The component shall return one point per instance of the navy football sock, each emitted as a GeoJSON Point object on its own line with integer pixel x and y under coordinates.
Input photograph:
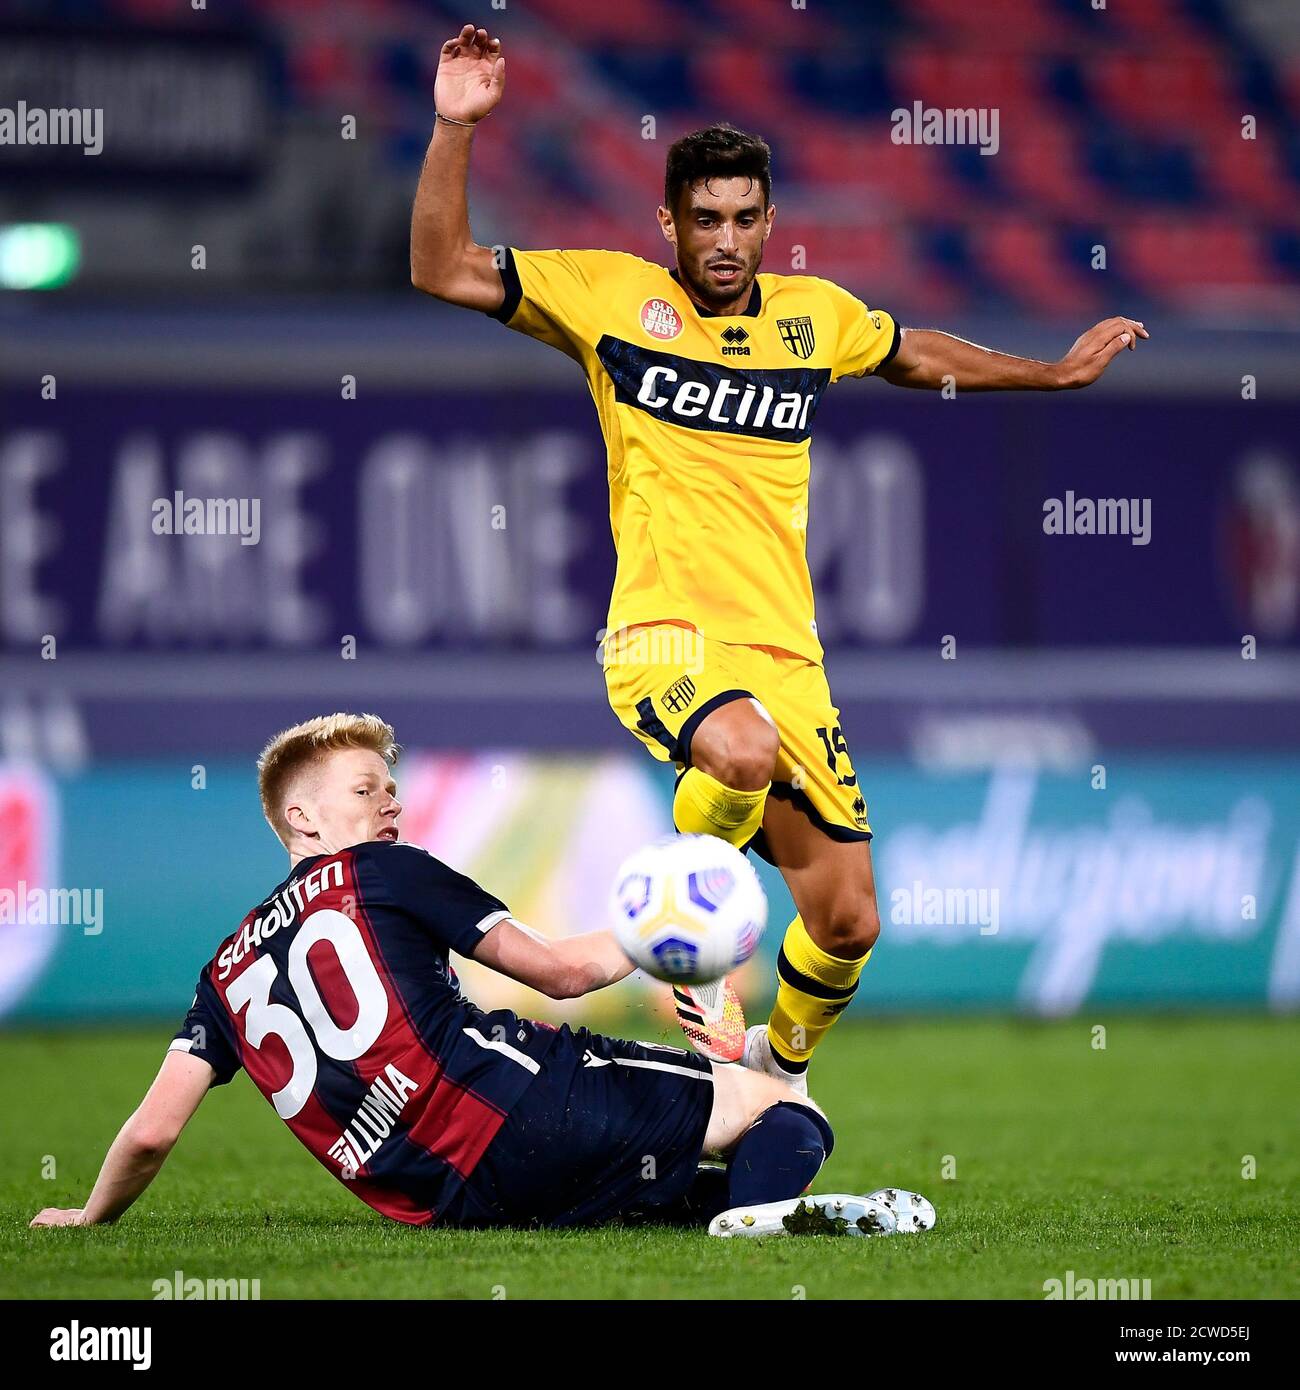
{"type": "Point", "coordinates": [697, 1207]}
{"type": "Point", "coordinates": [779, 1155]}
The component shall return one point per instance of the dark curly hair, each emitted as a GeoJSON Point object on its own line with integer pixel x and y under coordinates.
{"type": "Point", "coordinates": [718, 151]}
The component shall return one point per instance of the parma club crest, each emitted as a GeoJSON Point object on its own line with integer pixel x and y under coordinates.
{"type": "Point", "coordinates": [678, 695]}
{"type": "Point", "coordinates": [797, 335]}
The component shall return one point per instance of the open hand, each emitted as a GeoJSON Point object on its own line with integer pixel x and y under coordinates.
{"type": "Point", "coordinates": [58, 1216]}
{"type": "Point", "coordinates": [1093, 350]}
{"type": "Point", "coordinates": [471, 75]}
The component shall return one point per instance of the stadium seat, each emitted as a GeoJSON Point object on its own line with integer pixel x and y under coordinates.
{"type": "Point", "coordinates": [1127, 120]}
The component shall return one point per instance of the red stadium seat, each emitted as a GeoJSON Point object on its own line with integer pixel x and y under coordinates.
{"type": "Point", "coordinates": [1197, 262]}
{"type": "Point", "coordinates": [780, 26]}
{"type": "Point", "coordinates": [1042, 166]}
{"type": "Point", "coordinates": [1253, 174]}
{"type": "Point", "coordinates": [1174, 92]}
{"type": "Point", "coordinates": [1164, 21]}
{"type": "Point", "coordinates": [620, 159]}
{"type": "Point", "coordinates": [857, 162]}
{"type": "Point", "coordinates": [941, 77]}
{"type": "Point", "coordinates": [742, 84]}
{"type": "Point", "coordinates": [1289, 81]}
{"type": "Point", "coordinates": [647, 22]}
{"type": "Point", "coordinates": [1023, 256]}
{"type": "Point", "coordinates": [1011, 24]}
{"type": "Point", "coordinates": [1102, 117]}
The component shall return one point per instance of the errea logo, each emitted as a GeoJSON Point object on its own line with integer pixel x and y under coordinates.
{"type": "Point", "coordinates": [735, 338]}
{"type": "Point", "coordinates": [660, 319]}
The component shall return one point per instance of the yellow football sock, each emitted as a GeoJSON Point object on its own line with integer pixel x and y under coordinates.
{"type": "Point", "coordinates": [813, 989]}
{"type": "Point", "coordinates": [703, 806]}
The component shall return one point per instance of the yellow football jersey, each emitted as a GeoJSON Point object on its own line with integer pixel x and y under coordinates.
{"type": "Point", "coordinates": [707, 420]}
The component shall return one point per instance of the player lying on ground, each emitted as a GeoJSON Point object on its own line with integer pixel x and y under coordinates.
{"type": "Point", "coordinates": [706, 379]}
{"type": "Point", "coordinates": [335, 994]}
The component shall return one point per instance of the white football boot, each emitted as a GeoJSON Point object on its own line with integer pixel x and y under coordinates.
{"type": "Point", "coordinates": [912, 1212]}
{"type": "Point", "coordinates": [758, 1056]}
{"type": "Point", "coordinates": [837, 1214]}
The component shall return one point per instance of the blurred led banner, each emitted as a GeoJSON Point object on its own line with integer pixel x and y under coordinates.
{"type": "Point", "coordinates": [102, 105]}
{"type": "Point", "coordinates": [479, 520]}
{"type": "Point", "coordinates": [38, 255]}
{"type": "Point", "coordinates": [1176, 885]}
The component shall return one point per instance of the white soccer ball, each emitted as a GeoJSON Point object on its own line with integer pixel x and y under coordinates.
{"type": "Point", "coordinates": [688, 909]}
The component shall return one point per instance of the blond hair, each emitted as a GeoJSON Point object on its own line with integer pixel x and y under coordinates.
{"type": "Point", "coordinates": [295, 750]}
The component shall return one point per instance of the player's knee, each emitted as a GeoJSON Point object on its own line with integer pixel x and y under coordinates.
{"type": "Point", "coordinates": [739, 755]}
{"type": "Point", "coordinates": [849, 930]}
{"type": "Point", "coordinates": [802, 1114]}
{"type": "Point", "coordinates": [763, 1092]}
{"type": "Point", "coordinates": [820, 1122]}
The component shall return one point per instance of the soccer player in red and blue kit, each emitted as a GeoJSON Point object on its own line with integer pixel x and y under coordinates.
{"type": "Point", "coordinates": [337, 997]}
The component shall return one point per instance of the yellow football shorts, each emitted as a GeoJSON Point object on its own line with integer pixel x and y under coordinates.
{"type": "Point", "coordinates": [664, 678]}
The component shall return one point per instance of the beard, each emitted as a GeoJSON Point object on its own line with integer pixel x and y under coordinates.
{"type": "Point", "coordinates": [705, 290]}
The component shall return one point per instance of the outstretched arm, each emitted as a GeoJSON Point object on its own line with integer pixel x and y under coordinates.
{"type": "Point", "coordinates": [561, 969]}
{"type": "Point", "coordinates": [926, 357]}
{"type": "Point", "coordinates": [142, 1144]}
{"type": "Point", "coordinates": [445, 262]}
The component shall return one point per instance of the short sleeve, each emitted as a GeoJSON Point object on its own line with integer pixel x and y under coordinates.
{"type": "Point", "coordinates": [206, 1033]}
{"type": "Point", "coordinates": [868, 338]}
{"type": "Point", "coordinates": [554, 296]}
{"type": "Point", "coordinates": [452, 907]}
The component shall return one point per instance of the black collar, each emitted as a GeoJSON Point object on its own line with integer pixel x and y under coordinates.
{"type": "Point", "coordinates": [755, 302]}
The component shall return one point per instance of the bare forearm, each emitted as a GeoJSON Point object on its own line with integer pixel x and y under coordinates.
{"type": "Point", "coordinates": [595, 958]}
{"type": "Point", "coordinates": [142, 1144]}
{"type": "Point", "coordinates": [129, 1167]}
{"type": "Point", "coordinates": [937, 359]}
{"type": "Point", "coordinates": [934, 360]}
{"type": "Point", "coordinates": [440, 231]}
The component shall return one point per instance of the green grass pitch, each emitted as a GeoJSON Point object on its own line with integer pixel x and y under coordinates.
{"type": "Point", "coordinates": [1125, 1162]}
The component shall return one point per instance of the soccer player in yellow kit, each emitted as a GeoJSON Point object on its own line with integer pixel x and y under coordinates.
{"type": "Point", "coordinates": [706, 379]}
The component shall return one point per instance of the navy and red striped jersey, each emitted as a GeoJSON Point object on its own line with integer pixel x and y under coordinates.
{"type": "Point", "coordinates": [337, 997]}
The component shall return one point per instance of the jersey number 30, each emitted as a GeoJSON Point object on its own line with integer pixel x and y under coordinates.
{"type": "Point", "coordinates": [265, 1019]}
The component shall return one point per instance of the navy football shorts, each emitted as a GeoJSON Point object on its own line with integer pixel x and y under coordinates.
{"type": "Point", "coordinates": [608, 1129]}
